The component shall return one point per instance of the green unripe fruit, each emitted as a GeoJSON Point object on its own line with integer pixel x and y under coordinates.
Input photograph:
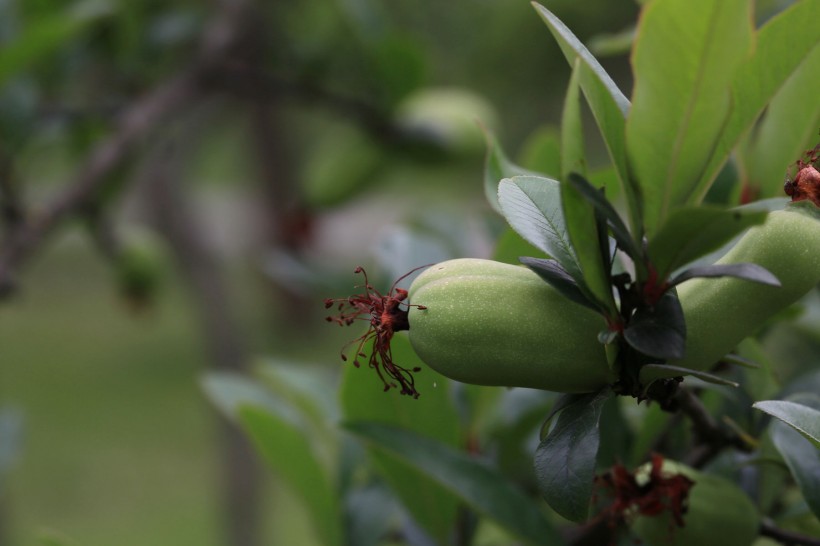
{"type": "Point", "coordinates": [722, 312]}
{"type": "Point", "coordinates": [718, 514]}
{"type": "Point", "coordinates": [488, 323]}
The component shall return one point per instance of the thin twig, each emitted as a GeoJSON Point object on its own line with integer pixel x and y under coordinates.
{"type": "Point", "coordinates": [713, 436]}
{"type": "Point", "coordinates": [787, 538]}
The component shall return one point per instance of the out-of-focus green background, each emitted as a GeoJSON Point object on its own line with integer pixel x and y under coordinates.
{"type": "Point", "coordinates": [363, 159]}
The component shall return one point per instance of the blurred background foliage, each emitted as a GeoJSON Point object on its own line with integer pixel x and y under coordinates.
{"type": "Point", "coordinates": [183, 182]}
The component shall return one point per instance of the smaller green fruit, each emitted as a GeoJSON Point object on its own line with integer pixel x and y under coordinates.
{"type": "Point", "coordinates": [489, 323]}
{"type": "Point", "coordinates": [719, 514]}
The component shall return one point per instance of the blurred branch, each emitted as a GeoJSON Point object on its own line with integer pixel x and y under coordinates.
{"type": "Point", "coordinates": [788, 538]}
{"type": "Point", "coordinates": [158, 106]}
{"type": "Point", "coordinates": [713, 437]}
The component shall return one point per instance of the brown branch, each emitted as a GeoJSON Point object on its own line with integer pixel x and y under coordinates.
{"type": "Point", "coordinates": [788, 538]}
{"type": "Point", "coordinates": [713, 437]}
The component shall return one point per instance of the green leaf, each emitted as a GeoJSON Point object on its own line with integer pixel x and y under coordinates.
{"type": "Point", "coordinates": [802, 418]}
{"type": "Point", "coordinates": [433, 414]}
{"type": "Point", "coordinates": [781, 46]}
{"type": "Point", "coordinates": [605, 209]}
{"type": "Point", "coordinates": [496, 167]}
{"type": "Point", "coordinates": [686, 53]}
{"type": "Point", "coordinates": [477, 484]}
{"type": "Point", "coordinates": [572, 130]}
{"type": "Point", "coordinates": [47, 35]}
{"type": "Point", "coordinates": [532, 206]}
{"type": "Point", "coordinates": [541, 152]}
{"type": "Point", "coordinates": [609, 106]}
{"type": "Point", "coordinates": [802, 458]}
{"type": "Point", "coordinates": [692, 232]}
{"type": "Point", "coordinates": [653, 372]}
{"type": "Point", "coordinates": [788, 128]}
{"type": "Point", "coordinates": [659, 331]}
{"type": "Point", "coordinates": [586, 233]}
{"type": "Point", "coordinates": [286, 448]}
{"type": "Point", "coordinates": [565, 459]}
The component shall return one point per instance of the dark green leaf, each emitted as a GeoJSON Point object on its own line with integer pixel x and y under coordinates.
{"type": "Point", "coordinates": [692, 232]}
{"type": "Point", "coordinates": [653, 372]}
{"type": "Point", "coordinates": [532, 206]}
{"type": "Point", "coordinates": [476, 483]}
{"type": "Point", "coordinates": [565, 459]}
{"type": "Point", "coordinates": [802, 458]}
{"type": "Point", "coordinates": [746, 271]}
{"type": "Point", "coordinates": [433, 414]}
{"type": "Point", "coordinates": [587, 235]}
{"type": "Point", "coordinates": [782, 44]}
{"type": "Point", "coordinates": [659, 331]}
{"type": "Point", "coordinates": [685, 56]}
{"type": "Point", "coordinates": [496, 167]}
{"type": "Point", "coordinates": [605, 208]}
{"type": "Point", "coordinates": [802, 418]}
{"type": "Point", "coordinates": [557, 277]}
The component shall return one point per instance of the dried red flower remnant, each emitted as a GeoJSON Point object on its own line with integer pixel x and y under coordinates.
{"type": "Point", "coordinates": [806, 183]}
{"type": "Point", "coordinates": [632, 496]}
{"type": "Point", "coordinates": [386, 314]}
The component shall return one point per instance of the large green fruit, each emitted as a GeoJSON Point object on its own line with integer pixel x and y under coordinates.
{"type": "Point", "coordinates": [719, 514]}
{"type": "Point", "coordinates": [488, 323]}
{"type": "Point", "coordinates": [722, 312]}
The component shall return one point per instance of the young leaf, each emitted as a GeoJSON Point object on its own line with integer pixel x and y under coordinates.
{"type": "Point", "coordinates": [653, 372]}
{"type": "Point", "coordinates": [475, 483]}
{"type": "Point", "coordinates": [565, 459]}
{"type": "Point", "coordinates": [686, 53]}
{"type": "Point", "coordinates": [605, 208]}
{"type": "Point", "coordinates": [746, 271]}
{"type": "Point", "coordinates": [659, 331]}
{"type": "Point", "coordinates": [802, 458]}
{"type": "Point", "coordinates": [692, 232]}
{"type": "Point", "coordinates": [781, 46]}
{"type": "Point", "coordinates": [557, 277]}
{"type": "Point", "coordinates": [496, 167]}
{"type": "Point", "coordinates": [532, 206]}
{"type": "Point", "coordinates": [286, 448]}
{"type": "Point", "coordinates": [609, 106]}
{"type": "Point", "coordinates": [802, 418]}
{"type": "Point", "coordinates": [588, 237]}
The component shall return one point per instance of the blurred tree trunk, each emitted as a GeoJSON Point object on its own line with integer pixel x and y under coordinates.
{"type": "Point", "coordinates": [224, 343]}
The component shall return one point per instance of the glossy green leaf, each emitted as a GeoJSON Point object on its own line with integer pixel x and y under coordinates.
{"type": "Point", "coordinates": [788, 129]}
{"type": "Point", "coordinates": [659, 331]}
{"type": "Point", "coordinates": [608, 104]}
{"type": "Point", "coordinates": [286, 448]}
{"type": "Point", "coordinates": [686, 53]}
{"type": "Point", "coordinates": [532, 206]}
{"type": "Point", "coordinates": [802, 458]}
{"type": "Point", "coordinates": [565, 459]}
{"type": "Point", "coordinates": [477, 484]}
{"type": "Point", "coordinates": [47, 35]}
{"type": "Point", "coordinates": [692, 232]}
{"type": "Point", "coordinates": [802, 418]}
{"type": "Point", "coordinates": [497, 166]}
{"type": "Point", "coordinates": [433, 414]}
{"type": "Point", "coordinates": [653, 372]}
{"type": "Point", "coordinates": [781, 45]}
